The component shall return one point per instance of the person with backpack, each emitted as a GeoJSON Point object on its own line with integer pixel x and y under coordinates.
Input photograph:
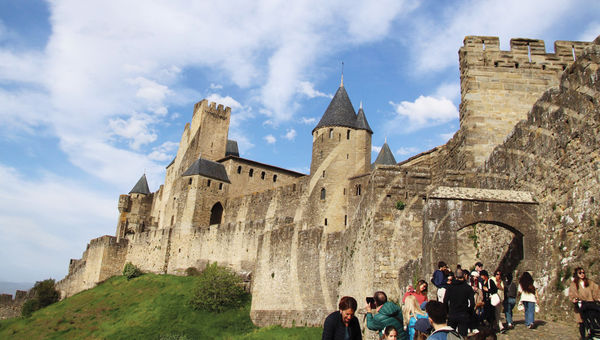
{"type": "Point", "coordinates": [582, 289]}
{"type": "Point", "coordinates": [438, 317]}
{"type": "Point", "coordinates": [388, 314]}
{"type": "Point", "coordinates": [460, 301]}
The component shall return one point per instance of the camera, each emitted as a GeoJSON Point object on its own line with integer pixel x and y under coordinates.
{"type": "Point", "coordinates": [371, 301]}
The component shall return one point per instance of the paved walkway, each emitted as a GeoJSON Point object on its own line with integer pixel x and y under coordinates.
{"type": "Point", "coordinates": [547, 330]}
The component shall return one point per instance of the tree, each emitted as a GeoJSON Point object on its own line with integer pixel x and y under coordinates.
{"type": "Point", "coordinates": [218, 289]}
{"type": "Point", "coordinates": [44, 294]}
{"type": "Point", "coordinates": [130, 271]}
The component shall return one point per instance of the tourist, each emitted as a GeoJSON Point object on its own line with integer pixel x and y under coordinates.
{"type": "Point", "coordinates": [582, 289]}
{"type": "Point", "coordinates": [422, 329]}
{"type": "Point", "coordinates": [390, 333]}
{"type": "Point", "coordinates": [420, 293]}
{"type": "Point", "coordinates": [510, 299]}
{"type": "Point", "coordinates": [528, 298]}
{"type": "Point", "coordinates": [489, 288]}
{"type": "Point", "coordinates": [439, 277]}
{"type": "Point", "coordinates": [438, 317]}
{"type": "Point", "coordinates": [498, 308]}
{"type": "Point", "coordinates": [459, 300]}
{"type": "Point", "coordinates": [411, 310]}
{"type": "Point", "coordinates": [342, 324]}
{"type": "Point", "coordinates": [388, 314]}
{"type": "Point", "coordinates": [478, 296]}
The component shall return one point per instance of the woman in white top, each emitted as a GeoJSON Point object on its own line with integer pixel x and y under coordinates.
{"type": "Point", "coordinates": [528, 298]}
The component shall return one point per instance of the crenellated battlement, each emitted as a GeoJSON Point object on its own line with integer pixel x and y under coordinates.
{"type": "Point", "coordinates": [524, 53]}
{"type": "Point", "coordinates": [218, 110]}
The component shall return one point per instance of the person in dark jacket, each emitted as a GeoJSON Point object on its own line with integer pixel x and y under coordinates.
{"type": "Point", "coordinates": [388, 314]}
{"type": "Point", "coordinates": [489, 288]}
{"type": "Point", "coordinates": [510, 299]}
{"type": "Point", "coordinates": [460, 301]}
{"type": "Point", "coordinates": [342, 324]}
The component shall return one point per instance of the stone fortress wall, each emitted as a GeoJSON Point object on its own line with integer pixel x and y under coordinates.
{"type": "Point", "coordinates": [304, 249]}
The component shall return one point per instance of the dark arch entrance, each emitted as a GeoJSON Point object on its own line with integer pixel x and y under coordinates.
{"type": "Point", "coordinates": [216, 213]}
{"type": "Point", "coordinates": [451, 209]}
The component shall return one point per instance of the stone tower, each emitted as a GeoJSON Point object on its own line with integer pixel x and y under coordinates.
{"type": "Point", "coordinates": [134, 209]}
{"type": "Point", "coordinates": [341, 149]}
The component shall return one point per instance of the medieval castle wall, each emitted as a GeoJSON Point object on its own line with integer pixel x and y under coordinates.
{"type": "Point", "coordinates": [306, 247]}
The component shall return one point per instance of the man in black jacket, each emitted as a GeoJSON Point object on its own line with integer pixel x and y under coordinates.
{"type": "Point", "coordinates": [460, 301]}
{"type": "Point", "coordinates": [342, 324]}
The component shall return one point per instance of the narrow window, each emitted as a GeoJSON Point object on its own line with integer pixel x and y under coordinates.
{"type": "Point", "coordinates": [347, 156]}
{"type": "Point", "coordinates": [344, 191]}
{"type": "Point", "coordinates": [358, 190]}
{"type": "Point", "coordinates": [239, 171]}
{"type": "Point", "coordinates": [208, 183]}
{"type": "Point", "coordinates": [339, 137]}
{"type": "Point", "coordinates": [348, 134]}
{"type": "Point", "coordinates": [274, 178]}
{"type": "Point", "coordinates": [172, 220]}
{"type": "Point", "coordinates": [294, 187]}
{"type": "Point", "coordinates": [345, 219]}
{"type": "Point", "coordinates": [220, 186]}
{"type": "Point", "coordinates": [325, 221]}
{"type": "Point", "coordinates": [251, 172]}
{"type": "Point", "coordinates": [323, 173]}
{"type": "Point", "coordinates": [323, 192]}
{"type": "Point", "coordinates": [330, 133]}
{"type": "Point", "coordinates": [190, 183]}
{"type": "Point", "coordinates": [262, 175]}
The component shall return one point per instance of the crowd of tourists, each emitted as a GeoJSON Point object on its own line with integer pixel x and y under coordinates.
{"type": "Point", "coordinates": [468, 304]}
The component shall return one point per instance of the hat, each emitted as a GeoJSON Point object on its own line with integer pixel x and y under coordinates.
{"type": "Point", "coordinates": [475, 273]}
{"type": "Point", "coordinates": [484, 272]}
{"type": "Point", "coordinates": [423, 325]}
{"type": "Point", "coordinates": [423, 305]}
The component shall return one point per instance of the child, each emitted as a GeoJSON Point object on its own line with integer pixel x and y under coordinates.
{"type": "Point", "coordinates": [390, 333]}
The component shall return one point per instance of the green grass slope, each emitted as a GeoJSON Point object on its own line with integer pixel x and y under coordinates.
{"type": "Point", "coordinates": [147, 307]}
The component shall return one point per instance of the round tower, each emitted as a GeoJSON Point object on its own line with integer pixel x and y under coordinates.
{"type": "Point", "coordinates": [341, 149]}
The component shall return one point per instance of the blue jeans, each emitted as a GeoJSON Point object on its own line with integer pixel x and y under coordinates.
{"type": "Point", "coordinates": [529, 312]}
{"type": "Point", "coordinates": [509, 304]}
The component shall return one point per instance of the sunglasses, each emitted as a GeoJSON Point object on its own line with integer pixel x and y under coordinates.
{"type": "Point", "coordinates": [581, 273]}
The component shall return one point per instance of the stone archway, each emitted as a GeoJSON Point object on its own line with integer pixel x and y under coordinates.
{"type": "Point", "coordinates": [216, 213]}
{"type": "Point", "coordinates": [450, 209]}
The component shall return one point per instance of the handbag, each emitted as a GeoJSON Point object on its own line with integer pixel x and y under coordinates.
{"type": "Point", "coordinates": [494, 298]}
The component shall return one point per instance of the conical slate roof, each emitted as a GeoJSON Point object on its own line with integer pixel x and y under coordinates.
{"type": "Point", "coordinates": [361, 121]}
{"type": "Point", "coordinates": [385, 157]}
{"type": "Point", "coordinates": [340, 111]}
{"type": "Point", "coordinates": [141, 187]}
{"type": "Point", "coordinates": [209, 169]}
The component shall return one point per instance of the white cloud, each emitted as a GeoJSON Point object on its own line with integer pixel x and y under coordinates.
{"type": "Point", "coordinates": [226, 101]}
{"type": "Point", "coordinates": [136, 129]}
{"type": "Point", "coordinates": [270, 139]}
{"type": "Point", "coordinates": [308, 89]}
{"type": "Point", "coordinates": [150, 90]}
{"type": "Point", "coordinates": [215, 86]}
{"type": "Point", "coordinates": [46, 220]}
{"type": "Point", "coordinates": [164, 152]}
{"type": "Point", "coordinates": [375, 148]}
{"type": "Point", "coordinates": [308, 120]}
{"type": "Point", "coordinates": [449, 91]}
{"type": "Point", "coordinates": [404, 151]}
{"type": "Point", "coordinates": [290, 134]}
{"type": "Point", "coordinates": [425, 111]}
{"type": "Point", "coordinates": [592, 32]}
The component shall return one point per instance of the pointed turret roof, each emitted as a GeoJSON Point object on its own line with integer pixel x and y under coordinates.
{"type": "Point", "coordinates": [209, 169]}
{"type": "Point", "coordinates": [385, 157]}
{"type": "Point", "coordinates": [232, 149]}
{"type": "Point", "coordinates": [361, 120]}
{"type": "Point", "coordinates": [340, 111]}
{"type": "Point", "coordinates": [141, 187]}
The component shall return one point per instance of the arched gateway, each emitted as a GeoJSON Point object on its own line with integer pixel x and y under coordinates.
{"type": "Point", "coordinates": [450, 209]}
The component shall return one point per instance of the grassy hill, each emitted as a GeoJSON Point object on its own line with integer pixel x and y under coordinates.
{"type": "Point", "coordinates": [147, 307]}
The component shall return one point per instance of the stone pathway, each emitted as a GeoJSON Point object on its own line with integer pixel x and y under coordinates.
{"type": "Point", "coordinates": [547, 330]}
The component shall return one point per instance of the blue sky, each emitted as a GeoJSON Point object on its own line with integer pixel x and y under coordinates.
{"type": "Point", "coordinates": [95, 93]}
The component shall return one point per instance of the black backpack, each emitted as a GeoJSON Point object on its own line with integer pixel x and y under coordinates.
{"type": "Point", "coordinates": [590, 314]}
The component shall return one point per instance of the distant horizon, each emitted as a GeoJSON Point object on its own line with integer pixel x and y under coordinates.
{"type": "Point", "coordinates": [12, 287]}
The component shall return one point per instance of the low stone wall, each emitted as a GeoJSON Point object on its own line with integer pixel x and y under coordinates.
{"type": "Point", "coordinates": [9, 307]}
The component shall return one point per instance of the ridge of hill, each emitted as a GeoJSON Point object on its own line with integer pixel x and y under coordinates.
{"type": "Point", "coordinates": [147, 307]}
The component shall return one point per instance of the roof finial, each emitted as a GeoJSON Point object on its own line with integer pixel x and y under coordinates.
{"type": "Point", "coordinates": [342, 82]}
{"type": "Point", "coordinates": [361, 104]}
{"type": "Point", "coordinates": [385, 140]}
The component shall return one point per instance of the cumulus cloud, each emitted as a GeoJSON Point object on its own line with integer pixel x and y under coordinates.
{"type": "Point", "coordinates": [375, 148]}
{"type": "Point", "coordinates": [290, 134]}
{"type": "Point", "coordinates": [307, 88]}
{"type": "Point", "coordinates": [215, 86]}
{"type": "Point", "coordinates": [164, 152]}
{"type": "Point", "coordinates": [308, 120]}
{"type": "Point", "coordinates": [404, 151]}
{"type": "Point", "coordinates": [270, 139]}
{"type": "Point", "coordinates": [425, 111]}
{"type": "Point", "coordinates": [134, 129]}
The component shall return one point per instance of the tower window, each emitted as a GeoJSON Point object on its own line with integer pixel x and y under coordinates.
{"type": "Point", "coordinates": [344, 191]}
{"type": "Point", "coordinates": [330, 133]}
{"type": "Point", "coordinates": [190, 182]}
{"type": "Point", "coordinates": [323, 173]}
{"type": "Point", "coordinates": [348, 134]}
{"type": "Point", "coordinates": [325, 221]}
{"type": "Point", "coordinates": [274, 178]}
{"type": "Point", "coordinates": [323, 193]}
{"type": "Point", "coordinates": [239, 170]}
{"type": "Point", "coordinates": [262, 175]}
{"type": "Point", "coordinates": [358, 190]}
{"type": "Point", "coordinates": [220, 186]}
{"type": "Point", "coordinates": [251, 173]}
{"type": "Point", "coordinates": [345, 219]}
{"type": "Point", "coordinates": [208, 183]}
